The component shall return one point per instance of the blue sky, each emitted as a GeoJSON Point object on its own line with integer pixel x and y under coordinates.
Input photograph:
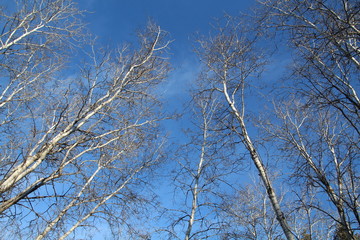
{"type": "Point", "coordinates": [114, 22]}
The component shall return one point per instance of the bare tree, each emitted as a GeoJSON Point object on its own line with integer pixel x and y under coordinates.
{"type": "Point", "coordinates": [321, 127]}
{"type": "Point", "coordinates": [249, 215]}
{"type": "Point", "coordinates": [325, 36]}
{"type": "Point", "coordinates": [308, 221]}
{"type": "Point", "coordinates": [196, 188]}
{"type": "Point", "coordinates": [73, 147]}
{"type": "Point", "coordinates": [231, 61]}
{"type": "Point", "coordinates": [325, 159]}
{"type": "Point", "coordinates": [31, 45]}
{"type": "Point", "coordinates": [205, 167]}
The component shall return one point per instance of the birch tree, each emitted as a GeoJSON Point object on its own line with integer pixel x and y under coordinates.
{"type": "Point", "coordinates": [325, 37]}
{"type": "Point", "coordinates": [322, 124]}
{"type": "Point", "coordinates": [32, 44]}
{"type": "Point", "coordinates": [203, 175]}
{"type": "Point", "coordinates": [325, 157]}
{"type": "Point", "coordinates": [231, 60]}
{"type": "Point", "coordinates": [249, 215]}
{"type": "Point", "coordinates": [74, 145]}
{"type": "Point", "coordinates": [199, 182]}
